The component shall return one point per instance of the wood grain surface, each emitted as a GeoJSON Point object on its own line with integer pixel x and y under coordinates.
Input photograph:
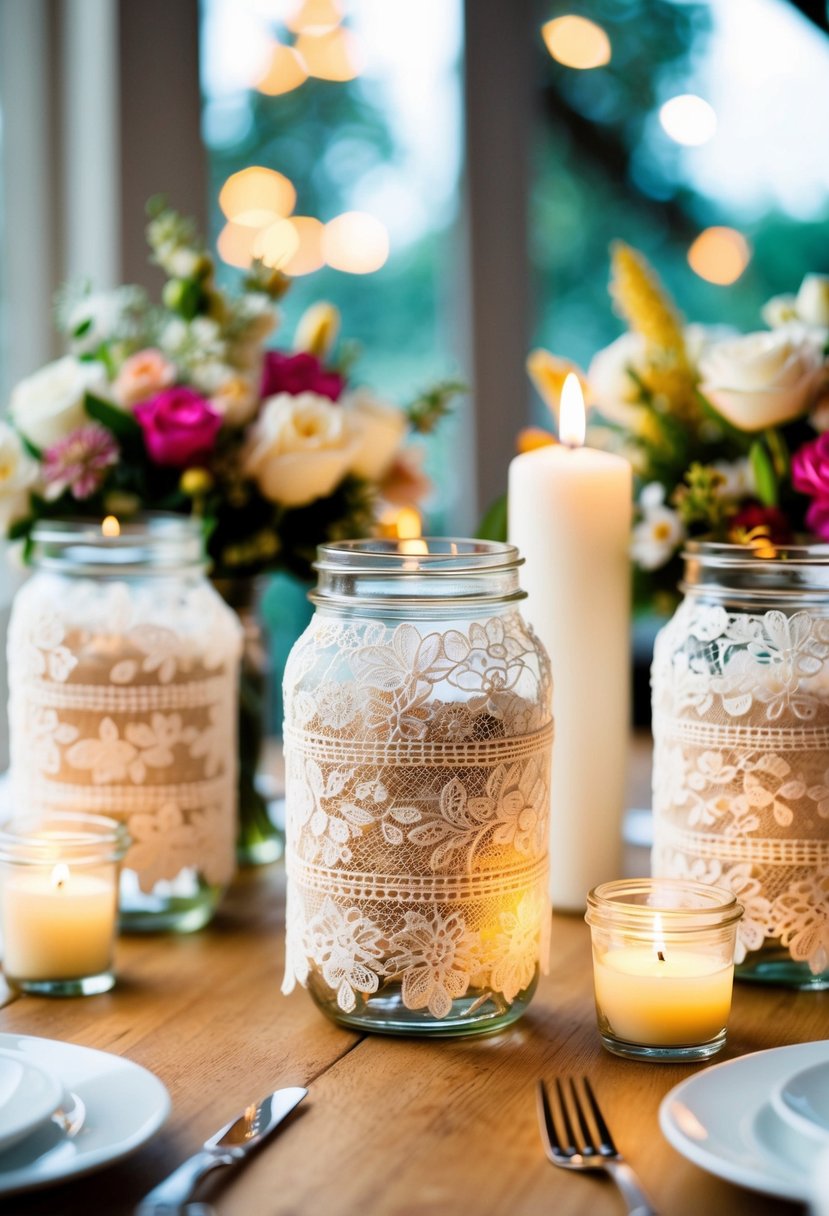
{"type": "Point", "coordinates": [391, 1126]}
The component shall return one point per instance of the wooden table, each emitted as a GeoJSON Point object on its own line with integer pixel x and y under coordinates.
{"type": "Point", "coordinates": [391, 1126]}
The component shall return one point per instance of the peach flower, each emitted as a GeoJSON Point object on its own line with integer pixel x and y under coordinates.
{"type": "Point", "coordinates": [143, 375]}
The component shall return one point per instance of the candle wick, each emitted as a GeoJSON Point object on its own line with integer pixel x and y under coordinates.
{"type": "Point", "coordinates": [660, 956]}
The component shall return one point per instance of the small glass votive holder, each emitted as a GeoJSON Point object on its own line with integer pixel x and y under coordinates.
{"type": "Point", "coordinates": [663, 966]}
{"type": "Point", "coordinates": [59, 902]}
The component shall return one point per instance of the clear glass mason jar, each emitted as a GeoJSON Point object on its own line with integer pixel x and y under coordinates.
{"type": "Point", "coordinates": [59, 902]}
{"type": "Point", "coordinates": [417, 745]}
{"type": "Point", "coordinates": [663, 966]}
{"type": "Point", "coordinates": [122, 701]}
{"type": "Point", "coordinates": [741, 762]}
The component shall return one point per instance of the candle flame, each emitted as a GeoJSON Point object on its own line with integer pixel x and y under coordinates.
{"type": "Point", "coordinates": [60, 875]}
{"type": "Point", "coordinates": [110, 526]}
{"type": "Point", "coordinates": [408, 523]}
{"type": "Point", "coordinates": [572, 422]}
{"type": "Point", "coordinates": [658, 938]}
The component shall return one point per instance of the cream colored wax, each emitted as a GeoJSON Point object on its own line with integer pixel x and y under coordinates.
{"type": "Point", "coordinates": [570, 517]}
{"type": "Point", "coordinates": [57, 926]}
{"type": "Point", "coordinates": [680, 1001]}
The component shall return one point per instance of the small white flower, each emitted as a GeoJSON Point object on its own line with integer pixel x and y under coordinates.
{"type": "Point", "coordinates": [656, 538]}
{"type": "Point", "coordinates": [182, 263]}
{"type": "Point", "coordinates": [780, 311]}
{"type": "Point", "coordinates": [738, 479]}
{"type": "Point", "coordinates": [652, 497]}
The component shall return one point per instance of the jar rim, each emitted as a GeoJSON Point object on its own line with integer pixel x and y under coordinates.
{"type": "Point", "coordinates": [632, 903]}
{"type": "Point", "coordinates": [63, 836]}
{"type": "Point", "coordinates": [447, 555]}
{"type": "Point", "coordinates": [154, 540]}
{"type": "Point", "coordinates": [747, 574]}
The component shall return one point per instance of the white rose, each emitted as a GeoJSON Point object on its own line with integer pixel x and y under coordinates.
{"type": "Point", "coordinates": [379, 429]}
{"type": "Point", "coordinates": [612, 389]}
{"type": "Point", "coordinates": [779, 311]}
{"type": "Point", "coordinates": [18, 473]}
{"type": "Point", "coordinates": [235, 397]}
{"type": "Point", "coordinates": [48, 405]}
{"type": "Point", "coordinates": [300, 448]}
{"type": "Point", "coordinates": [813, 300]}
{"type": "Point", "coordinates": [762, 379]}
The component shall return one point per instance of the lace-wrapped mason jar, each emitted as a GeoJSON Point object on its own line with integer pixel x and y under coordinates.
{"type": "Point", "coordinates": [122, 701]}
{"type": "Point", "coordinates": [417, 744]}
{"type": "Point", "coordinates": [741, 762]}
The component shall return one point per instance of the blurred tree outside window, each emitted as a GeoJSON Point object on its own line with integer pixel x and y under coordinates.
{"type": "Point", "coordinates": [621, 152]}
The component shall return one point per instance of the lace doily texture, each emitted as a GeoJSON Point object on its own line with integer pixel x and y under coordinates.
{"type": "Point", "coordinates": [417, 802]}
{"type": "Point", "coordinates": [122, 702]}
{"type": "Point", "coordinates": [741, 768]}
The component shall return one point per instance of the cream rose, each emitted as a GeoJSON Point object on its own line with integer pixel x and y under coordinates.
{"type": "Point", "coordinates": [18, 473]}
{"type": "Point", "coordinates": [48, 405]}
{"type": "Point", "coordinates": [379, 429]}
{"type": "Point", "coordinates": [301, 448]}
{"type": "Point", "coordinates": [813, 300]}
{"type": "Point", "coordinates": [612, 389]}
{"type": "Point", "coordinates": [235, 398]}
{"type": "Point", "coordinates": [762, 379]}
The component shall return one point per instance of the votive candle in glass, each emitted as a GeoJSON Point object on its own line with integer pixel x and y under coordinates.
{"type": "Point", "coordinates": [59, 902]}
{"type": "Point", "coordinates": [663, 966]}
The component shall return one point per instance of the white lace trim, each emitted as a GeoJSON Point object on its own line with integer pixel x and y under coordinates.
{"type": "Point", "coordinates": [741, 768]}
{"type": "Point", "coordinates": [122, 700]}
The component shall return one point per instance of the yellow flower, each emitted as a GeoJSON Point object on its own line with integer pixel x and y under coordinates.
{"type": "Point", "coordinates": [642, 301]}
{"type": "Point", "coordinates": [532, 437]}
{"type": "Point", "coordinates": [548, 373]}
{"type": "Point", "coordinates": [196, 482]}
{"type": "Point", "coordinates": [317, 330]}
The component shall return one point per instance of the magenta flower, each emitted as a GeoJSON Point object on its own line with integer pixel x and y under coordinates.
{"type": "Point", "coordinates": [79, 462]}
{"type": "Point", "coordinates": [180, 427]}
{"type": "Point", "coordinates": [810, 475]}
{"type": "Point", "coordinates": [300, 373]}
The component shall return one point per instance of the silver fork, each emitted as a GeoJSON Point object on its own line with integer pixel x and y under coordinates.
{"type": "Point", "coordinates": [591, 1149]}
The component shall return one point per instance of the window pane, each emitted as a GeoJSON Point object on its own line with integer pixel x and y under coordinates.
{"type": "Point", "coordinates": [384, 143]}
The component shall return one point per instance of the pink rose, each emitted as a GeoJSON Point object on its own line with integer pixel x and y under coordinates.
{"type": "Point", "coordinates": [300, 373]}
{"type": "Point", "coordinates": [810, 475]}
{"type": "Point", "coordinates": [141, 375]}
{"type": "Point", "coordinates": [180, 427]}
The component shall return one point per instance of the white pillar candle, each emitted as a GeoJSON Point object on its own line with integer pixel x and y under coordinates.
{"type": "Point", "coordinates": [57, 923]}
{"type": "Point", "coordinates": [570, 517]}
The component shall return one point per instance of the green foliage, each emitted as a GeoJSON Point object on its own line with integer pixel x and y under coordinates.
{"type": "Point", "coordinates": [762, 468]}
{"type": "Point", "coordinates": [493, 526]}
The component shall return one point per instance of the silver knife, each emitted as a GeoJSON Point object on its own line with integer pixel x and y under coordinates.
{"type": "Point", "coordinates": [228, 1147]}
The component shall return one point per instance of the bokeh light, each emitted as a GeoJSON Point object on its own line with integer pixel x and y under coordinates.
{"type": "Point", "coordinates": [308, 256]}
{"type": "Point", "coordinates": [689, 120]}
{"type": "Point", "coordinates": [355, 242]}
{"type": "Point", "coordinates": [285, 71]}
{"type": "Point", "coordinates": [315, 17]}
{"type": "Point", "coordinates": [719, 255]}
{"type": "Point", "coordinates": [257, 196]}
{"type": "Point", "coordinates": [331, 56]}
{"type": "Point", "coordinates": [235, 244]}
{"type": "Point", "coordinates": [276, 244]}
{"type": "Point", "coordinates": [576, 42]}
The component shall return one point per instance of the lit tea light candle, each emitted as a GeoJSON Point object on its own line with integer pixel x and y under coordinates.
{"type": "Point", "coordinates": [59, 919]}
{"type": "Point", "coordinates": [663, 979]}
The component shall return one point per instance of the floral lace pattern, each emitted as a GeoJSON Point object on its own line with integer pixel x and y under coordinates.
{"type": "Point", "coordinates": [741, 768]}
{"type": "Point", "coordinates": [122, 701]}
{"type": "Point", "coordinates": [417, 800]}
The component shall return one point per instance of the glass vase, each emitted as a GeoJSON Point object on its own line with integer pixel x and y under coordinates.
{"type": "Point", "coordinates": [122, 681]}
{"type": "Point", "coordinates": [741, 759]}
{"type": "Point", "coordinates": [417, 746]}
{"type": "Point", "coordinates": [259, 840]}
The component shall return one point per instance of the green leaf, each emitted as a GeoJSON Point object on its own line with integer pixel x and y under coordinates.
{"type": "Point", "coordinates": [31, 448]}
{"type": "Point", "coordinates": [19, 529]}
{"type": "Point", "coordinates": [763, 471]}
{"type": "Point", "coordinates": [493, 526]}
{"type": "Point", "coordinates": [779, 450]}
{"type": "Point", "coordinates": [121, 423]}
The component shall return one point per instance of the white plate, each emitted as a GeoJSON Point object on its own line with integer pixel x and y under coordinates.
{"type": "Point", "coordinates": [28, 1095]}
{"type": "Point", "coordinates": [803, 1100]}
{"type": "Point", "coordinates": [125, 1106]}
{"type": "Point", "coordinates": [722, 1120]}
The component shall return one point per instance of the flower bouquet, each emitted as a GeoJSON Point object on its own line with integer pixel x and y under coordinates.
{"type": "Point", "coordinates": [728, 433]}
{"type": "Point", "coordinates": [181, 407]}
